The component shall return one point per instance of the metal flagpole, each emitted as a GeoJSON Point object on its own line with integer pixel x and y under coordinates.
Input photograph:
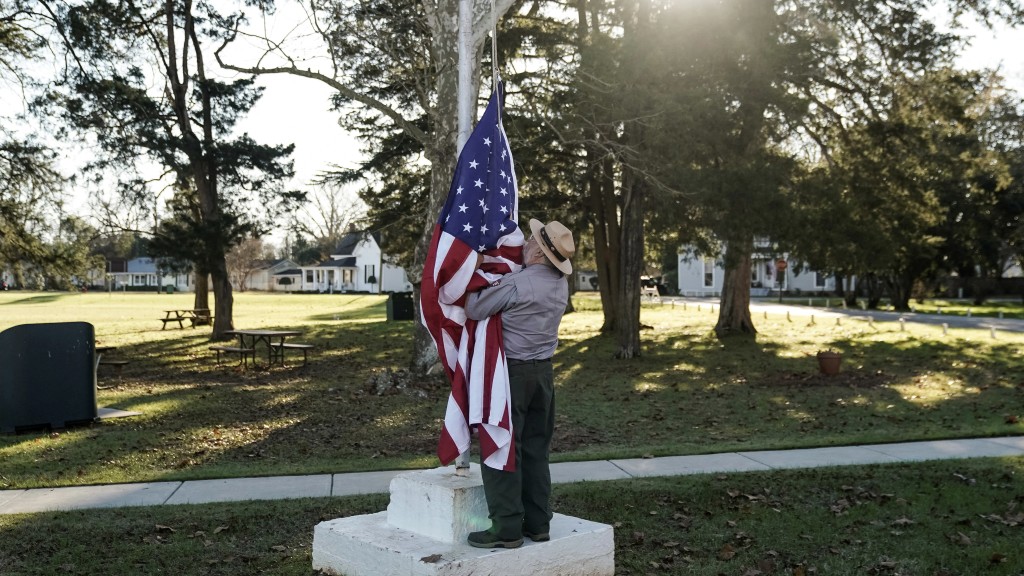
{"type": "Point", "coordinates": [466, 99]}
{"type": "Point", "coordinates": [465, 104]}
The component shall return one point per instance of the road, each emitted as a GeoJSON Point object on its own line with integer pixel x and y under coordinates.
{"type": "Point", "coordinates": [758, 306]}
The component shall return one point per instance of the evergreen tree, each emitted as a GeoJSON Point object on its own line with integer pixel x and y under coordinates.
{"type": "Point", "coordinates": [138, 81]}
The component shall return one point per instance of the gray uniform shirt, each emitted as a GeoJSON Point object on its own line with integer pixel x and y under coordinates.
{"type": "Point", "coordinates": [532, 302]}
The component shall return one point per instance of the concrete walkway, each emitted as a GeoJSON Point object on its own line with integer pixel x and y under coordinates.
{"type": "Point", "coordinates": [323, 485]}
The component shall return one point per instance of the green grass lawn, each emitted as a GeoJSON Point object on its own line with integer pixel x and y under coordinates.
{"type": "Point", "coordinates": [688, 394]}
{"type": "Point", "coordinates": [928, 519]}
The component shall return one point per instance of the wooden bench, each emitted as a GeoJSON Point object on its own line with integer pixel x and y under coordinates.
{"type": "Point", "coordinates": [281, 347]}
{"type": "Point", "coordinates": [201, 320]}
{"type": "Point", "coordinates": [117, 364]}
{"type": "Point", "coordinates": [180, 322]}
{"type": "Point", "coordinates": [243, 352]}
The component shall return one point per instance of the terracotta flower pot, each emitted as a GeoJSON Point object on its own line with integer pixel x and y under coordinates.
{"type": "Point", "coordinates": [828, 362]}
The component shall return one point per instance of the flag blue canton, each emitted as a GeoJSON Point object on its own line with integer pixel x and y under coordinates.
{"type": "Point", "coordinates": [481, 201]}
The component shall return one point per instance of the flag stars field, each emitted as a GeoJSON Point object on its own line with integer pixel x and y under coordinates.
{"type": "Point", "coordinates": [479, 395]}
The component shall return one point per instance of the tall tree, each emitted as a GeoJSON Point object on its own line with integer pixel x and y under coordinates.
{"type": "Point", "coordinates": [377, 65]}
{"type": "Point", "coordinates": [331, 211]}
{"type": "Point", "coordinates": [31, 186]}
{"type": "Point", "coordinates": [137, 79]}
{"type": "Point", "coordinates": [891, 128]}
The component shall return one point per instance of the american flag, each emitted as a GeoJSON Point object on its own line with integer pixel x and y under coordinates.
{"type": "Point", "coordinates": [479, 217]}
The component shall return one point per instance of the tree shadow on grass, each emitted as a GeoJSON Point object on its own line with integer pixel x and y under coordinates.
{"type": "Point", "coordinates": [688, 394]}
{"type": "Point", "coordinates": [39, 298]}
{"type": "Point", "coordinates": [693, 394]}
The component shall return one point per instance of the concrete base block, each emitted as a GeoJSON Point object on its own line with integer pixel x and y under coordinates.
{"type": "Point", "coordinates": [441, 503]}
{"type": "Point", "coordinates": [369, 546]}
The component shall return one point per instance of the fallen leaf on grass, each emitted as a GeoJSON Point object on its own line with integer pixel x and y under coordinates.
{"type": "Point", "coordinates": [162, 528]}
{"type": "Point", "coordinates": [960, 538]}
{"type": "Point", "coordinates": [997, 558]}
{"type": "Point", "coordinates": [727, 552]}
{"type": "Point", "coordinates": [904, 521]}
{"type": "Point", "coordinates": [964, 479]}
{"type": "Point", "coordinates": [219, 529]}
{"type": "Point", "coordinates": [279, 548]}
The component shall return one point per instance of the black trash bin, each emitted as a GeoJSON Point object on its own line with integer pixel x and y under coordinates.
{"type": "Point", "coordinates": [48, 375]}
{"type": "Point", "coordinates": [400, 306]}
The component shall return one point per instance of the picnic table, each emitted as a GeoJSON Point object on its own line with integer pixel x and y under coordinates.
{"type": "Point", "coordinates": [274, 340]}
{"type": "Point", "coordinates": [194, 316]}
{"type": "Point", "coordinates": [117, 364]}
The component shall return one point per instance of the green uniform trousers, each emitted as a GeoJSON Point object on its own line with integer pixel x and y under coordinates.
{"type": "Point", "coordinates": [521, 500]}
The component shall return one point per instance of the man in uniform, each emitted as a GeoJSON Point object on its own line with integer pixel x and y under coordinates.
{"type": "Point", "coordinates": [531, 303]}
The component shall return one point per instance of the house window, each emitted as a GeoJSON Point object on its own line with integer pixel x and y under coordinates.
{"type": "Point", "coordinates": [709, 272]}
{"type": "Point", "coordinates": [369, 271]}
{"type": "Point", "coordinates": [309, 276]}
{"type": "Point", "coordinates": [347, 276]}
{"type": "Point", "coordinates": [819, 279]}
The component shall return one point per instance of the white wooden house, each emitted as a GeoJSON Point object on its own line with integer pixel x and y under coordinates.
{"type": "Point", "coordinates": [702, 276]}
{"type": "Point", "coordinates": [146, 273]}
{"type": "Point", "coordinates": [586, 280]}
{"type": "Point", "coordinates": [357, 265]}
{"type": "Point", "coordinates": [269, 275]}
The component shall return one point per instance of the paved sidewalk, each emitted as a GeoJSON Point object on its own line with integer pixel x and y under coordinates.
{"type": "Point", "coordinates": [768, 305]}
{"type": "Point", "coordinates": [323, 485]}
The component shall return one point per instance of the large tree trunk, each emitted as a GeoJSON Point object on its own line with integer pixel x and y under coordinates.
{"type": "Point", "coordinates": [443, 160]}
{"type": "Point", "coordinates": [442, 154]}
{"type": "Point", "coordinates": [734, 313]}
{"type": "Point", "coordinates": [599, 194]}
{"type": "Point", "coordinates": [607, 241]}
{"type": "Point", "coordinates": [223, 301]}
{"type": "Point", "coordinates": [627, 313]}
{"type": "Point", "coordinates": [202, 290]}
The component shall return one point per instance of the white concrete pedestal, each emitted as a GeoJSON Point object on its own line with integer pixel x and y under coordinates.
{"type": "Point", "coordinates": [423, 533]}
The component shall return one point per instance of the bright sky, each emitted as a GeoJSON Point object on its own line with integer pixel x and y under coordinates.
{"type": "Point", "coordinates": [295, 110]}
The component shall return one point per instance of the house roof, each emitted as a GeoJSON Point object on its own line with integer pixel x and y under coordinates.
{"type": "Point", "coordinates": [346, 262]}
{"type": "Point", "coordinates": [141, 266]}
{"type": "Point", "coordinates": [289, 272]}
{"type": "Point", "coordinates": [347, 245]}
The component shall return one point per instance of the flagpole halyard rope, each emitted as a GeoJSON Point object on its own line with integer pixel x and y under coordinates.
{"type": "Point", "coordinates": [494, 51]}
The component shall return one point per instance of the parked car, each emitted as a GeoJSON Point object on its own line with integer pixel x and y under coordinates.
{"type": "Point", "coordinates": [654, 282]}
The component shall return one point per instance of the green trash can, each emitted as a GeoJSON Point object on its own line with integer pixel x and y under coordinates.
{"type": "Point", "coordinates": [400, 306]}
{"type": "Point", "coordinates": [169, 288]}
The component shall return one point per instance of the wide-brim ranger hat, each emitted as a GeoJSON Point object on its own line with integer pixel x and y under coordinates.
{"type": "Point", "coordinates": [556, 242]}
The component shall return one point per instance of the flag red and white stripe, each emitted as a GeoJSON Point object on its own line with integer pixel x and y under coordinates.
{"type": "Point", "coordinates": [479, 217]}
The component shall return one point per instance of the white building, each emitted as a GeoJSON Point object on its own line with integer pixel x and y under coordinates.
{"type": "Point", "coordinates": [586, 280]}
{"type": "Point", "coordinates": [270, 275]}
{"type": "Point", "coordinates": [145, 273]}
{"type": "Point", "coordinates": [702, 276]}
{"type": "Point", "coordinates": [357, 265]}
